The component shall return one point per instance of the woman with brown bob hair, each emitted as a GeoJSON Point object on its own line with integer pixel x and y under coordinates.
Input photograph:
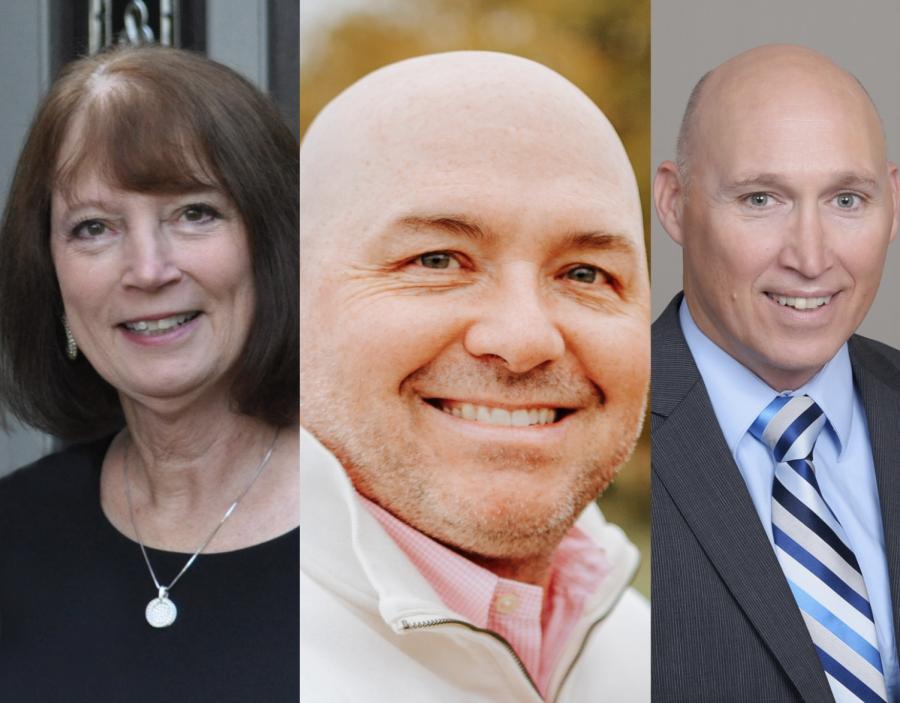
{"type": "Point", "coordinates": [148, 310]}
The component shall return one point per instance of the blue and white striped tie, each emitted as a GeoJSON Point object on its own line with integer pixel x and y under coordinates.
{"type": "Point", "coordinates": [812, 548]}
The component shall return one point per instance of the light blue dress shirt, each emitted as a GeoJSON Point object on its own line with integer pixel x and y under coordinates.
{"type": "Point", "coordinates": [842, 457]}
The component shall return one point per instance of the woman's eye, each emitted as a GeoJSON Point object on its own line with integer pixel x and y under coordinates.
{"type": "Point", "coordinates": [759, 199]}
{"type": "Point", "coordinates": [91, 228]}
{"type": "Point", "coordinates": [199, 213]}
{"type": "Point", "coordinates": [438, 260]}
{"type": "Point", "coordinates": [846, 200]}
{"type": "Point", "coordinates": [583, 274]}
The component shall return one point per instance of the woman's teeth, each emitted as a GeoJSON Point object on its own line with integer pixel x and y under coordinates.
{"type": "Point", "coordinates": [153, 327]}
{"type": "Point", "coordinates": [502, 416]}
{"type": "Point", "coordinates": [800, 303]}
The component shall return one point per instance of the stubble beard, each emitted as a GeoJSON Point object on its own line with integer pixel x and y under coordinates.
{"type": "Point", "coordinates": [395, 466]}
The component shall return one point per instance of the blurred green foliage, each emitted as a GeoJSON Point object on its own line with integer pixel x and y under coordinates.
{"type": "Point", "coordinates": [602, 46]}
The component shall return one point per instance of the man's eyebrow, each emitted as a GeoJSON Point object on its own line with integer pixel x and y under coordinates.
{"type": "Point", "coordinates": [843, 179]}
{"type": "Point", "coordinates": [453, 224]}
{"type": "Point", "coordinates": [760, 180]}
{"type": "Point", "coordinates": [598, 241]}
{"type": "Point", "coordinates": [472, 229]}
{"type": "Point", "coordinates": [864, 179]}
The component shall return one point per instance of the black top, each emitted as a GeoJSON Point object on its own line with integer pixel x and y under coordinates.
{"type": "Point", "coordinates": [73, 591]}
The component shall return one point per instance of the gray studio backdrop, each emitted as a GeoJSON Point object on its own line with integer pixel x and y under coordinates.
{"type": "Point", "coordinates": [691, 37]}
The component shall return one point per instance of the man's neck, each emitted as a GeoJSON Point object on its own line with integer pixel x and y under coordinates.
{"type": "Point", "coordinates": [535, 571]}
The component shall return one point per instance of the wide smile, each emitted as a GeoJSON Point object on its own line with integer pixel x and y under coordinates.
{"type": "Point", "coordinates": [506, 416]}
{"type": "Point", "coordinates": [159, 326]}
{"type": "Point", "coordinates": [800, 303]}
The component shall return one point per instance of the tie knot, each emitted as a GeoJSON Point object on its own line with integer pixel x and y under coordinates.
{"type": "Point", "coordinates": [789, 426]}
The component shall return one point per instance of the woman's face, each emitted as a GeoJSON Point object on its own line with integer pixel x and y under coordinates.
{"type": "Point", "coordinates": [158, 289]}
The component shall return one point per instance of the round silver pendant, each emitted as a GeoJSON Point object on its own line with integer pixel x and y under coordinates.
{"type": "Point", "coordinates": [161, 612]}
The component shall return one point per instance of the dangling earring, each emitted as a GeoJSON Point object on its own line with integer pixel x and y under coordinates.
{"type": "Point", "coordinates": [71, 347]}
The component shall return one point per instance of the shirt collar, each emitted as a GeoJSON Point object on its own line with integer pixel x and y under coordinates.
{"type": "Point", "coordinates": [463, 586]}
{"type": "Point", "coordinates": [738, 395]}
{"type": "Point", "coordinates": [579, 565]}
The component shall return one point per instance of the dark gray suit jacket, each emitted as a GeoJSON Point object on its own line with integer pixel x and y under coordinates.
{"type": "Point", "coordinates": [726, 627]}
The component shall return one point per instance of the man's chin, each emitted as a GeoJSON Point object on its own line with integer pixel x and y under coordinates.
{"type": "Point", "coordinates": [794, 366]}
{"type": "Point", "coordinates": [518, 525]}
{"type": "Point", "coordinates": [496, 499]}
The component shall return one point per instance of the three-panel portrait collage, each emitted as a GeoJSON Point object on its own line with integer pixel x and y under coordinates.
{"type": "Point", "coordinates": [449, 351]}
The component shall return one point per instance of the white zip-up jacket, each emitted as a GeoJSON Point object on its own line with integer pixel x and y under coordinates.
{"type": "Point", "coordinates": [372, 629]}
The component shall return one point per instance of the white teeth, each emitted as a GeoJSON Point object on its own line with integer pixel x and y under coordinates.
{"type": "Point", "coordinates": [800, 303]}
{"type": "Point", "coordinates": [151, 327]}
{"type": "Point", "coordinates": [520, 418]}
{"type": "Point", "coordinates": [501, 416]}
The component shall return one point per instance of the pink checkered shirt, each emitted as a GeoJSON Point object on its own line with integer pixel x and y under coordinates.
{"type": "Point", "coordinates": [512, 609]}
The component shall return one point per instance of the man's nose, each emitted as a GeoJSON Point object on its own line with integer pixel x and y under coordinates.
{"type": "Point", "coordinates": [516, 325]}
{"type": "Point", "coordinates": [147, 254]}
{"type": "Point", "coordinates": [807, 250]}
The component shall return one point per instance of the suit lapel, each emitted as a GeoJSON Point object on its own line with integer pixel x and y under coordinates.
{"type": "Point", "coordinates": [694, 465]}
{"type": "Point", "coordinates": [879, 386]}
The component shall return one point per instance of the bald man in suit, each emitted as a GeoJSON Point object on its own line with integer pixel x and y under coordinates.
{"type": "Point", "coordinates": [784, 203]}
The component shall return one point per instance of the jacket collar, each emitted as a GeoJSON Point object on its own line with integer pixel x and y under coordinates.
{"type": "Point", "coordinates": [346, 549]}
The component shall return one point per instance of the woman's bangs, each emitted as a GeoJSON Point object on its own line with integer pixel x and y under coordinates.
{"type": "Point", "coordinates": [132, 142]}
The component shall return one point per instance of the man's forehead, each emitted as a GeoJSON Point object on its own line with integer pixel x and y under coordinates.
{"type": "Point", "coordinates": [473, 117]}
{"type": "Point", "coordinates": [456, 111]}
{"type": "Point", "coordinates": [763, 141]}
{"type": "Point", "coordinates": [496, 212]}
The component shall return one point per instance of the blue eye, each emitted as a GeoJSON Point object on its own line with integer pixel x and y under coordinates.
{"type": "Point", "coordinates": [846, 200]}
{"type": "Point", "coordinates": [438, 260]}
{"type": "Point", "coordinates": [583, 274]}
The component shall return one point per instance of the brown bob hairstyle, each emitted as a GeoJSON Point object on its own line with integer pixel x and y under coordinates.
{"type": "Point", "coordinates": [155, 120]}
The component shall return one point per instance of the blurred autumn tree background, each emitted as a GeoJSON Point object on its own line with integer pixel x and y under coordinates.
{"type": "Point", "coordinates": [602, 46]}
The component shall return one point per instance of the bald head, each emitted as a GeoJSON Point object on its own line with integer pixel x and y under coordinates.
{"type": "Point", "coordinates": [437, 119]}
{"type": "Point", "coordinates": [760, 77]}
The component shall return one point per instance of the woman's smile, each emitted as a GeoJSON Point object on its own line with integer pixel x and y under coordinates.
{"type": "Point", "coordinates": [160, 331]}
{"type": "Point", "coordinates": [155, 326]}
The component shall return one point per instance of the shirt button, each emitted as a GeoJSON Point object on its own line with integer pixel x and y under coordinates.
{"type": "Point", "coordinates": [506, 603]}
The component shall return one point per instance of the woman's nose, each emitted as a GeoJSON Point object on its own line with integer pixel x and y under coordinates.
{"type": "Point", "coordinates": [148, 257]}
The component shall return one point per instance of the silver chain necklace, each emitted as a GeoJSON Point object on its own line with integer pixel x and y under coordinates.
{"type": "Point", "coordinates": [161, 611]}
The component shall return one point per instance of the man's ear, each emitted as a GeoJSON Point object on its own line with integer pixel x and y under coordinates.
{"type": "Point", "coordinates": [668, 192]}
{"type": "Point", "coordinates": [894, 180]}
